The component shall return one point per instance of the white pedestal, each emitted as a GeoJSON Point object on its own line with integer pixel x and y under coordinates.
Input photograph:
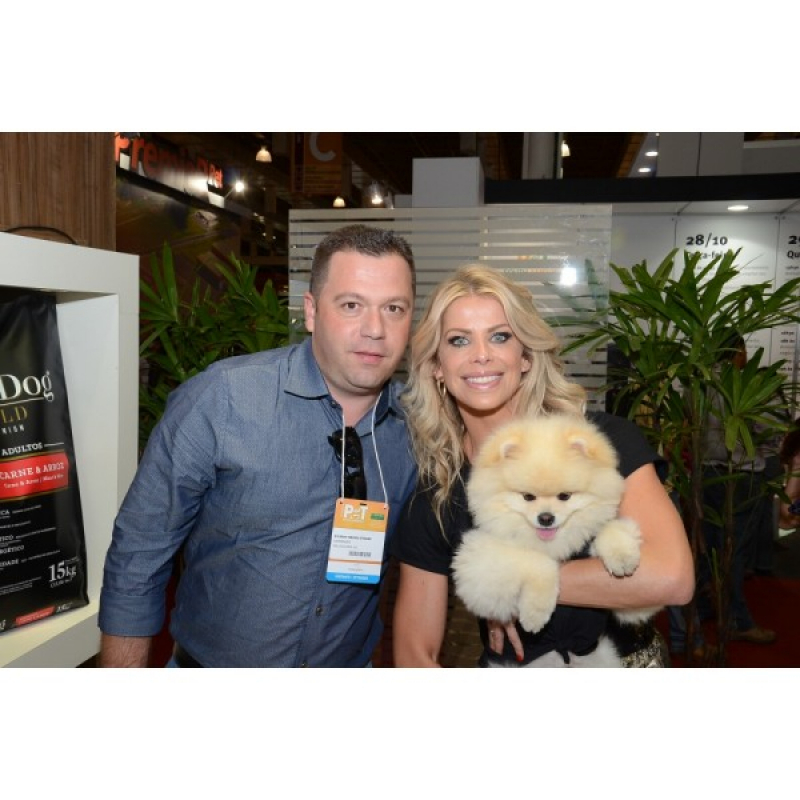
{"type": "Point", "coordinates": [98, 319]}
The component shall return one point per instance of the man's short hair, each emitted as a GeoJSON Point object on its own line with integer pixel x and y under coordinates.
{"type": "Point", "coordinates": [732, 344]}
{"type": "Point", "coordinates": [361, 239]}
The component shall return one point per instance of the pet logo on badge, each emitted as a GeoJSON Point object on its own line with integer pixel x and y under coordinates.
{"type": "Point", "coordinates": [354, 513]}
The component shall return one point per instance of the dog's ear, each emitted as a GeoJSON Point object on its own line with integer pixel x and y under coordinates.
{"type": "Point", "coordinates": [507, 444]}
{"type": "Point", "coordinates": [578, 441]}
{"type": "Point", "coordinates": [511, 448]}
{"type": "Point", "coordinates": [591, 444]}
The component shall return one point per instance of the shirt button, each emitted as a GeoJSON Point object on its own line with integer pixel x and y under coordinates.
{"type": "Point", "coordinates": [319, 610]}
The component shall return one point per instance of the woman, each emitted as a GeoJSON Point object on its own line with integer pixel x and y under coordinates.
{"type": "Point", "coordinates": [480, 356]}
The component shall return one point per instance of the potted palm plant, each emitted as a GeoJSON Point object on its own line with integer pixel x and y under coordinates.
{"type": "Point", "coordinates": [672, 326]}
{"type": "Point", "coordinates": [182, 335]}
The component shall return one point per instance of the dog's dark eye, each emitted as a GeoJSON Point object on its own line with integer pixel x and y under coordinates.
{"type": "Point", "coordinates": [528, 498]}
{"type": "Point", "coordinates": [564, 496]}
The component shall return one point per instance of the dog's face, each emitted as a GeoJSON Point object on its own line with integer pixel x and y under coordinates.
{"type": "Point", "coordinates": [548, 483]}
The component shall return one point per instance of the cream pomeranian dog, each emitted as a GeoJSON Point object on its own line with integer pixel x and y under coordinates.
{"type": "Point", "coordinates": [540, 491]}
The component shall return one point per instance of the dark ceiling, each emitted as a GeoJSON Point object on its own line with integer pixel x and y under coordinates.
{"type": "Point", "coordinates": [387, 158]}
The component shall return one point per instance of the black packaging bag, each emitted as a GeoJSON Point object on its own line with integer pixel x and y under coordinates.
{"type": "Point", "coordinates": [42, 544]}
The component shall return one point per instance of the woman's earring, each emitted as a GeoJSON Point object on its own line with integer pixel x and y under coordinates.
{"type": "Point", "coordinates": [442, 389]}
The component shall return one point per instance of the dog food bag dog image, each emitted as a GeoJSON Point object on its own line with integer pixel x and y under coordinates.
{"type": "Point", "coordinates": [42, 546]}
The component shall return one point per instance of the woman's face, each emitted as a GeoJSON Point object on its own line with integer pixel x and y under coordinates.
{"type": "Point", "coordinates": [480, 358]}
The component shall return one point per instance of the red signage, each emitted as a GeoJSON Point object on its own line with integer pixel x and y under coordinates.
{"type": "Point", "coordinates": [166, 165]}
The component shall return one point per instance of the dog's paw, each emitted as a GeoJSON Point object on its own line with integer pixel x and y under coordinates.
{"type": "Point", "coordinates": [538, 595]}
{"type": "Point", "coordinates": [486, 578]}
{"type": "Point", "coordinates": [618, 545]}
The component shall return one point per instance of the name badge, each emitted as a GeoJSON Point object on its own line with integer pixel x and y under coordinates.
{"type": "Point", "coordinates": [359, 534]}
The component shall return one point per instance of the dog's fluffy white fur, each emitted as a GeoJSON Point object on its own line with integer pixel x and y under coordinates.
{"type": "Point", "coordinates": [540, 490]}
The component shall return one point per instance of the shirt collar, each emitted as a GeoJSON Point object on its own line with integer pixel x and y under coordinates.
{"type": "Point", "coordinates": [306, 380]}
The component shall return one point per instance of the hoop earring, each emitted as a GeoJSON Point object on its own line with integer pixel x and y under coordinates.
{"type": "Point", "coordinates": [442, 389]}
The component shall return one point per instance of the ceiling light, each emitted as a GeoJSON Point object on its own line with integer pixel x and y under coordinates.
{"type": "Point", "coordinates": [645, 169]}
{"type": "Point", "coordinates": [651, 153]}
{"type": "Point", "coordinates": [263, 155]}
{"type": "Point", "coordinates": [738, 207]}
{"type": "Point", "coordinates": [375, 194]}
{"type": "Point", "coordinates": [339, 202]}
{"type": "Point", "coordinates": [564, 149]}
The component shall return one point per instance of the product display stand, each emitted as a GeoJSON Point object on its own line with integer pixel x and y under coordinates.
{"type": "Point", "coordinates": [98, 319]}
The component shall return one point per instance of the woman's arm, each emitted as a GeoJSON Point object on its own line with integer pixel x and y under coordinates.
{"type": "Point", "coordinates": [665, 575]}
{"type": "Point", "coordinates": [420, 617]}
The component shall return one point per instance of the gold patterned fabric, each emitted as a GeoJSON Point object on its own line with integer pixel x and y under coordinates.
{"type": "Point", "coordinates": [652, 652]}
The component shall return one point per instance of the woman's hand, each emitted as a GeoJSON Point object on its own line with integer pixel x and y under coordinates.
{"type": "Point", "coordinates": [498, 631]}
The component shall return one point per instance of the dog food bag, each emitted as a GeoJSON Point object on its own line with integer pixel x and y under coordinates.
{"type": "Point", "coordinates": [42, 546]}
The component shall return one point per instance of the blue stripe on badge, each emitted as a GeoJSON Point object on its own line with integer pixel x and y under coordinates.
{"type": "Point", "coordinates": [343, 577]}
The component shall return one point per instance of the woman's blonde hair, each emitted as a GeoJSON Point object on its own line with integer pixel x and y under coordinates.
{"type": "Point", "coordinates": [437, 430]}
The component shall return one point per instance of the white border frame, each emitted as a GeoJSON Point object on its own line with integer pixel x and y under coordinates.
{"type": "Point", "coordinates": [98, 318]}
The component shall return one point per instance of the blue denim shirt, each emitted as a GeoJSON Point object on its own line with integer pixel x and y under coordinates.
{"type": "Point", "coordinates": [241, 470]}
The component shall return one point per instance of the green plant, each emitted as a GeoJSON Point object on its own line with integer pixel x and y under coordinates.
{"type": "Point", "coordinates": [180, 337]}
{"type": "Point", "coordinates": [673, 328]}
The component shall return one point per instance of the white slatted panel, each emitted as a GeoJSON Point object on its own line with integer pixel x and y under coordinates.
{"type": "Point", "coordinates": [533, 244]}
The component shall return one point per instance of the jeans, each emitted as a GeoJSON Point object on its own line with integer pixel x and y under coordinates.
{"type": "Point", "coordinates": [747, 508]}
{"type": "Point", "coordinates": [761, 557]}
{"type": "Point", "coordinates": [678, 632]}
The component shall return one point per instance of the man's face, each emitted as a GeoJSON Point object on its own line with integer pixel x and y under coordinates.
{"type": "Point", "coordinates": [360, 322]}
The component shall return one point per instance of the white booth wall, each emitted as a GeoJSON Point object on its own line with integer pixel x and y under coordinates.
{"type": "Point", "coordinates": [769, 252]}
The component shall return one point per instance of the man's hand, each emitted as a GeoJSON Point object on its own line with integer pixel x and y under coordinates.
{"type": "Point", "coordinates": [125, 651]}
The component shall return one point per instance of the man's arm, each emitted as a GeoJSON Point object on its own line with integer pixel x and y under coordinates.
{"type": "Point", "coordinates": [125, 651]}
{"type": "Point", "coordinates": [156, 515]}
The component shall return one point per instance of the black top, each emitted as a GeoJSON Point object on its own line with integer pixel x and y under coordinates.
{"type": "Point", "coordinates": [420, 543]}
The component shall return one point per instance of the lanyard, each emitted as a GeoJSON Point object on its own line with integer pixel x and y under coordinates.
{"type": "Point", "coordinates": [375, 448]}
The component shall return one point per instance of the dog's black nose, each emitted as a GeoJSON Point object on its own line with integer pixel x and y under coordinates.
{"type": "Point", "coordinates": [546, 519]}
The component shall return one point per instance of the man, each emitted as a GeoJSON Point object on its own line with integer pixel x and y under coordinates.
{"type": "Point", "coordinates": [244, 472]}
{"type": "Point", "coordinates": [750, 503]}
